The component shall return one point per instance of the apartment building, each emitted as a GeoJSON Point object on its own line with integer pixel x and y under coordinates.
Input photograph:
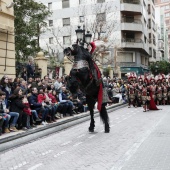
{"type": "Point", "coordinates": [7, 41]}
{"type": "Point", "coordinates": [162, 35]}
{"type": "Point", "coordinates": [165, 5]}
{"type": "Point", "coordinates": [130, 28]}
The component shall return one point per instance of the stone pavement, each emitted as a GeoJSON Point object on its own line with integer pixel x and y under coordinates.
{"type": "Point", "coordinates": [137, 141]}
{"type": "Point", "coordinates": [14, 139]}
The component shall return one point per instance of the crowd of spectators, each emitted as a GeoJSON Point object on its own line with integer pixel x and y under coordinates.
{"type": "Point", "coordinates": [24, 104]}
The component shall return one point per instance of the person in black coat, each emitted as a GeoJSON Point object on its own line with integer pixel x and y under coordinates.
{"type": "Point", "coordinates": [17, 105]}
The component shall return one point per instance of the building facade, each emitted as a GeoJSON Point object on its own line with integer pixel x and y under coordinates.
{"type": "Point", "coordinates": [127, 25]}
{"type": "Point", "coordinates": [7, 41]}
{"type": "Point", "coordinates": [165, 6]}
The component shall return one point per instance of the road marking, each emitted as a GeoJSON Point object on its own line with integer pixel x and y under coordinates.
{"type": "Point", "coordinates": [92, 136]}
{"type": "Point", "coordinates": [66, 143]}
{"type": "Point", "coordinates": [78, 143]}
{"type": "Point", "coordinates": [59, 154]}
{"type": "Point", "coordinates": [117, 118]}
{"type": "Point", "coordinates": [125, 118]}
{"type": "Point", "coordinates": [112, 125]}
{"type": "Point", "coordinates": [123, 115]}
{"type": "Point", "coordinates": [80, 136]}
{"type": "Point", "coordinates": [47, 152]}
{"type": "Point", "coordinates": [35, 166]}
{"type": "Point", "coordinates": [125, 158]}
{"type": "Point", "coordinates": [119, 122]}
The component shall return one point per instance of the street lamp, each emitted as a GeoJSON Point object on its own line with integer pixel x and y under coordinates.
{"type": "Point", "coordinates": [82, 37]}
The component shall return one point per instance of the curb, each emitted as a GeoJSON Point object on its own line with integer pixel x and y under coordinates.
{"type": "Point", "coordinates": [34, 134]}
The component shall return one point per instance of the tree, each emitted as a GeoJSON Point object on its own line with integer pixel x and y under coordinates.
{"type": "Point", "coordinates": [160, 67]}
{"type": "Point", "coordinates": [29, 23]}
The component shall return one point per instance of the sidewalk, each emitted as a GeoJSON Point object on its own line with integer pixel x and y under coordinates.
{"type": "Point", "coordinates": [14, 139]}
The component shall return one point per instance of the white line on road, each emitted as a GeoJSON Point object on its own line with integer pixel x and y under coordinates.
{"type": "Point", "coordinates": [112, 125]}
{"type": "Point", "coordinates": [59, 154]}
{"type": "Point", "coordinates": [45, 153]}
{"type": "Point", "coordinates": [121, 162]}
{"type": "Point", "coordinates": [78, 143]}
{"type": "Point", "coordinates": [91, 136]}
{"type": "Point", "coordinates": [80, 136]}
{"type": "Point", "coordinates": [66, 143]}
{"type": "Point", "coordinates": [35, 166]}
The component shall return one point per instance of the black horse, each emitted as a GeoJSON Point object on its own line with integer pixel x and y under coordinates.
{"type": "Point", "coordinates": [81, 76]}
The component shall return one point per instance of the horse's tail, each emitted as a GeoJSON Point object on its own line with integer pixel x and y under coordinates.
{"type": "Point", "coordinates": [103, 114]}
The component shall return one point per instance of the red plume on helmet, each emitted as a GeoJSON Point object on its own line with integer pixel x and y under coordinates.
{"type": "Point", "coordinates": [93, 47]}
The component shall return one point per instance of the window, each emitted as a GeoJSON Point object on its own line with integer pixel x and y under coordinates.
{"type": "Point", "coordinates": [100, 1]}
{"type": "Point", "coordinates": [67, 40]}
{"type": "Point", "coordinates": [125, 57]}
{"type": "Point", "coordinates": [66, 22]}
{"type": "Point", "coordinates": [81, 19]}
{"type": "Point", "coordinates": [101, 17]}
{"type": "Point", "coordinates": [164, 0]}
{"type": "Point", "coordinates": [50, 23]}
{"type": "Point", "coordinates": [50, 6]}
{"type": "Point", "coordinates": [51, 40]}
{"type": "Point", "coordinates": [65, 4]}
{"type": "Point", "coordinates": [167, 14]}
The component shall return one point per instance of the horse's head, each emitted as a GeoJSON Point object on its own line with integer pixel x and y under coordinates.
{"type": "Point", "coordinates": [67, 51]}
{"type": "Point", "coordinates": [72, 84]}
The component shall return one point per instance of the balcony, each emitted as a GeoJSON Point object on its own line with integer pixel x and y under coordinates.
{"type": "Point", "coordinates": [131, 6]}
{"type": "Point", "coordinates": [131, 1]}
{"type": "Point", "coordinates": [131, 25]}
{"type": "Point", "coordinates": [134, 43]}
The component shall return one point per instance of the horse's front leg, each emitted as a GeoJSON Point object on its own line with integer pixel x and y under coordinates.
{"type": "Point", "coordinates": [92, 122]}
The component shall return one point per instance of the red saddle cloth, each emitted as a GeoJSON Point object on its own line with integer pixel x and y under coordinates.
{"type": "Point", "coordinates": [100, 94]}
{"type": "Point", "coordinates": [152, 103]}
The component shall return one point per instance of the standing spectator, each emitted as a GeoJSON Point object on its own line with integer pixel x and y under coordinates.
{"type": "Point", "coordinates": [24, 73]}
{"type": "Point", "coordinates": [30, 69]}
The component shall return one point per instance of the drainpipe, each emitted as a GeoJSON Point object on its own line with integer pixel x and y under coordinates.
{"type": "Point", "coordinates": [6, 50]}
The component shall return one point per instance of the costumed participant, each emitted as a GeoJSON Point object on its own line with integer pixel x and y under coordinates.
{"type": "Point", "coordinates": [152, 92]}
{"type": "Point", "coordinates": [153, 88]}
{"type": "Point", "coordinates": [168, 88]}
{"type": "Point", "coordinates": [145, 95]}
{"type": "Point", "coordinates": [131, 91]}
{"type": "Point", "coordinates": [91, 48]}
{"type": "Point", "coordinates": [164, 90]}
{"type": "Point", "coordinates": [159, 90]}
{"type": "Point", "coordinates": [139, 91]}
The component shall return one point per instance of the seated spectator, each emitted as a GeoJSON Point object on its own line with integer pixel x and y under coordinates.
{"type": "Point", "coordinates": [1, 123]}
{"type": "Point", "coordinates": [7, 114]}
{"type": "Point", "coordinates": [38, 106]}
{"type": "Point", "coordinates": [18, 106]}
{"type": "Point", "coordinates": [65, 101]}
{"type": "Point", "coordinates": [81, 96]}
{"type": "Point", "coordinates": [28, 111]}
{"type": "Point", "coordinates": [78, 104]}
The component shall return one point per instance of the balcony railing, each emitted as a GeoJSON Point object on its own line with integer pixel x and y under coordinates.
{"type": "Point", "coordinates": [132, 40]}
{"type": "Point", "coordinates": [131, 1]}
{"type": "Point", "coordinates": [129, 20]}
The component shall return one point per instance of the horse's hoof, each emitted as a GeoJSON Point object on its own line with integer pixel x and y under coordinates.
{"type": "Point", "coordinates": [107, 131]}
{"type": "Point", "coordinates": [91, 130]}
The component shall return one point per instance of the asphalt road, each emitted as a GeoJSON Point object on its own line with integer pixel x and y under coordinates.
{"type": "Point", "coordinates": [137, 141]}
